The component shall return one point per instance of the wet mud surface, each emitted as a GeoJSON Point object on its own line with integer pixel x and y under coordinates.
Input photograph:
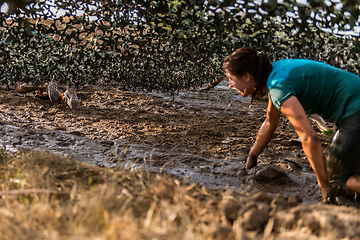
{"type": "Point", "coordinates": [204, 136]}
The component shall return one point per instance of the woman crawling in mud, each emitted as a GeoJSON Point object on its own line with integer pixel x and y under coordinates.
{"type": "Point", "coordinates": [297, 87]}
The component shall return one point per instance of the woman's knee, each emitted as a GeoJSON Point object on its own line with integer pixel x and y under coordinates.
{"type": "Point", "coordinates": [353, 184]}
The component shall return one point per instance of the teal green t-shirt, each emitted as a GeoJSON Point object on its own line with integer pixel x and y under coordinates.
{"type": "Point", "coordinates": [327, 91]}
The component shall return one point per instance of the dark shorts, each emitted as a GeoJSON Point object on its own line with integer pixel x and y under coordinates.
{"type": "Point", "coordinates": [343, 154]}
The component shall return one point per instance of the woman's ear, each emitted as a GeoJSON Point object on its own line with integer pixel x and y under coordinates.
{"type": "Point", "coordinates": [249, 77]}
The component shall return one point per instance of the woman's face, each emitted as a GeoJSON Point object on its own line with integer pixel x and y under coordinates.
{"type": "Point", "coordinates": [245, 85]}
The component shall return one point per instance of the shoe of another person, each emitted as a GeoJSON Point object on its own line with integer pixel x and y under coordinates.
{"type": "Point", "coordinates": [71, 98]}
{"type": "Point", "coordinates": [52, 90]}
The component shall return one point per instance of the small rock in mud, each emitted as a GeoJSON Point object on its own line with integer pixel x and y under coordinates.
{"type": "Point", "coordinates": [261, 197]}
{"type": "Point", "coordinates": [295, 199]}
{"type": "Point", "coordinates": [256, 218]}
{"type": "Point", "coordinates": [229, 209]}
{"type": "Point", "coordinates": [271, 173]}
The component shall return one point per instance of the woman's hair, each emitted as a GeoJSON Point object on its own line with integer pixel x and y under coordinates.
{"type": "Point", "coordinates": [248, 60]}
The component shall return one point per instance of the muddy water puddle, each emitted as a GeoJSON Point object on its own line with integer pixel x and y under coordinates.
{"type": "Point", "coordinates": [202, 136]}
{"type": "Point", "coordinates": [209, 172]}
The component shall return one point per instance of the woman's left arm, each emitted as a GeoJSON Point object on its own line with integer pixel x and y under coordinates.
{"type": "Point", "coordinates": [311, 144]}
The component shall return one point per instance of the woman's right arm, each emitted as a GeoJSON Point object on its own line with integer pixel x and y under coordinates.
{"type": "Point", "coordinates": [265, 133]}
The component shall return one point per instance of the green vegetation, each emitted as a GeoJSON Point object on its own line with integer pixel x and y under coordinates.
{"type": "Point", "coordinates": [167, 45]}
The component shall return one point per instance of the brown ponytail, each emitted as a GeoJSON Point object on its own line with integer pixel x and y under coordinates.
{"type": "Point", "coordinates": [248, 60]}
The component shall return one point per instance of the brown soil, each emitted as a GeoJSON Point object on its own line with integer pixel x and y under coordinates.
{"type": "Point", "coordinates": [204, 136]}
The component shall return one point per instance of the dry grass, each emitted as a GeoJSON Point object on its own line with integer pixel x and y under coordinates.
{"type": "Point", "coordinates": [48, 196]}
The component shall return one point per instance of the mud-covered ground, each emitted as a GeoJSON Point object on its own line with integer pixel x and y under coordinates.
{"type": "Point", "coordinates": [202, 135]}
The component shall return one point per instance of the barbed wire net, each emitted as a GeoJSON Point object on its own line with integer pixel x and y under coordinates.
{"type": "Point", "coordinates": [166, 45]}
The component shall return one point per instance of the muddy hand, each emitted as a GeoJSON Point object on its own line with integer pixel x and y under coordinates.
{"type": "Point", "coordinates": [251, 161]}
{"type": "Point", "coordinates": [326, 195]}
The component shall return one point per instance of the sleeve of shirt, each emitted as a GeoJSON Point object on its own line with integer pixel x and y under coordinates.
{"type": "Point", "coordinates": [280, 94]}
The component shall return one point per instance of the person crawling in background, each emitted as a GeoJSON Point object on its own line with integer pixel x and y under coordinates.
{"type": "Point", "coordinates": [297, 87]}
{"type": "Point", "coordinates": [50, 90]}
